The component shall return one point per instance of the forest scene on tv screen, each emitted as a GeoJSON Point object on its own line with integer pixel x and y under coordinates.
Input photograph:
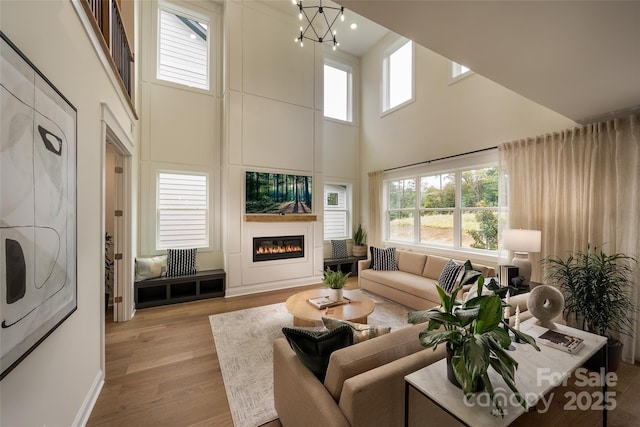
{"type": "Point", "coordinates": [273, 193]}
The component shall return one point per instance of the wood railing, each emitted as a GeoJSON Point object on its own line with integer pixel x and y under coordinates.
{"type": "Point", "coordinates": [106, 20]}
{"type": "Point", "coordinates": [120, 49]}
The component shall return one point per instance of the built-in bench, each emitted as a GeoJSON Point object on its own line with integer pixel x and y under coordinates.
{"type": "Point", "coordinates": [171, 290]}
{"type": "Point", "coordinates": [346, 265]}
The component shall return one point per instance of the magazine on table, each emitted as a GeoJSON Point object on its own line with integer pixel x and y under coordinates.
{"type": "Point", "coordinates": [558, 339]}
{"type": "Point", "coordinates": [325, 302]}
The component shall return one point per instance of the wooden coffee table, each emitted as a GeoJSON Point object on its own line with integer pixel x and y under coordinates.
{"type": "Point", "coordinates": [305, 314]}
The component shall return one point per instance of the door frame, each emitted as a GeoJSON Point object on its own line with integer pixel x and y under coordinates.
{"type": "Point", "coordinates": [124, 240]}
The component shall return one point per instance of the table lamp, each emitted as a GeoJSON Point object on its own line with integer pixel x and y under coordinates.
{"type": "Point", "coordinates": [522, 242]}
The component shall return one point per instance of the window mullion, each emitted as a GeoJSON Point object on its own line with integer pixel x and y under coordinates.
{"type": "Point", "coordinates": [457, 213]}
{"type": "Point", "coordinates": [417, 219]}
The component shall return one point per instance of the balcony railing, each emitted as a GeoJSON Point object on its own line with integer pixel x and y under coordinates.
{"type": "Point", "coordinates": [107, 23]}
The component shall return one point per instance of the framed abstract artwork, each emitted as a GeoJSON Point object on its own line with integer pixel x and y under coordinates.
{"type": "Point", "coordinates": [38, 283]}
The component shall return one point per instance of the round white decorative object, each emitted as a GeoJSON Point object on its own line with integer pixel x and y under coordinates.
{"type": "Point", "coordinates": [545, 304]}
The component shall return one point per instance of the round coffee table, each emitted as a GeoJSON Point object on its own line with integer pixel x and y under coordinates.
{"type": "Point", "coordinates": [305, 314]}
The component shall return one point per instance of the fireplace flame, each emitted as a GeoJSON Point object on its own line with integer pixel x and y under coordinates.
{"type": "Point", "coordinates": [266, 250]}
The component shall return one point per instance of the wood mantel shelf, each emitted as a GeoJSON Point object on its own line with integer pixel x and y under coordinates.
{"type": "Point", "coordinates": [281, 218]}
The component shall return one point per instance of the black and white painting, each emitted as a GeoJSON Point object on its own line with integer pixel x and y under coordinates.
{"type": "Point", "coordinates": [37, 207]}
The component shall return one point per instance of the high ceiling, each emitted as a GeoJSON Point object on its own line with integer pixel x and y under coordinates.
{"type": "Point", "coordinates": [578, 58]}
{"type": "Point", "coordinates": [354, 41]}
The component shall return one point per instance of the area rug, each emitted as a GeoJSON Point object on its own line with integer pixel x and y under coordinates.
{"type": "Point", "coordinates": [243, 342]}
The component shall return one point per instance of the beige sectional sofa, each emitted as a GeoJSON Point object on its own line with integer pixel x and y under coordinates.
{"type": "Point", "coordinates": [364, 385]}
{"type": "Point", "coordinates": [414, 284]}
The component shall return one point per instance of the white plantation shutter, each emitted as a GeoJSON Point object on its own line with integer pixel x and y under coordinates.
{"type": "Point", "coordinates": [336, 217]}
{"type": "Point", "coordinates": [182, 211]}
{"type": "Point", "coordinates": [183, 56]}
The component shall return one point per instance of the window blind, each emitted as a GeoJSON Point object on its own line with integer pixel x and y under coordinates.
{"type": "Point", "coordinates": [182, 210]}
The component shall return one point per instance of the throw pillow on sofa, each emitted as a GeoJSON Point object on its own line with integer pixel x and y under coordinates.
{"type": "Point", "coordinates": [469, 276]}
{"type": "Point", "coordinates": [449, 276]}
{"type": "Point", "coordinates": [361, 332]}
{"type": "Point", "coordinates": [314, 348]}
{"type": "Point", "coordinates": [383, 259]}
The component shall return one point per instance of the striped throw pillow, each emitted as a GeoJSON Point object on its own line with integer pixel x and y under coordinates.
{"type": "Point", "coordinates": [383, 259]}
{"type": "Point", "coordinates": [449, 276]}
{"type": "Point", "coordinates": [181, 262]}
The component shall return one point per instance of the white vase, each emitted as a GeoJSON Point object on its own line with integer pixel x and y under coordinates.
{"type": "Point", "coordinates": [335, 294]}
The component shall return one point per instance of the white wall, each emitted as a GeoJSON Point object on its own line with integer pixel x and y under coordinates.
{"type": "Point", "coordinates": [444, 120]}
{"type": "Point", "coordinates": [180, 129]}
{"type": "Point", "coordinates": [273, 123]}
{"type": "Point", "coordinates": [341, 144]}
{"type": "Point", "coordinates": [54, 385]}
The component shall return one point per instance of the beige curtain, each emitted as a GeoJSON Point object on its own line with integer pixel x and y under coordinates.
{"type": "Point", "coordinates": [375, 208]}
{"type": "Point", "coordinates": [580, 186]}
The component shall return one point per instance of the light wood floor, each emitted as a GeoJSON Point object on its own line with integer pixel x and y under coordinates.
{"type": "Point", "coordinates": [162, 370]}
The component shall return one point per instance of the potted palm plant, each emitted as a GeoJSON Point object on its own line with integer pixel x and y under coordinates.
{"type": "Point", "coordinates": [335, 280]}
{"type": "Point", "coordinates": [359, 241]}
{"type": "Point", "coordinates": [475, 336]}
{"type": "Point", "coordinates": [597, 289]}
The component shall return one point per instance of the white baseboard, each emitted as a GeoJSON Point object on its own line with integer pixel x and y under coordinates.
{"type": "Point", "coordinates": [89, 401]}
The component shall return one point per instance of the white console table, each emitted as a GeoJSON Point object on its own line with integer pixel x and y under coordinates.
{"type": "Point", "coordinates": [538, 372]}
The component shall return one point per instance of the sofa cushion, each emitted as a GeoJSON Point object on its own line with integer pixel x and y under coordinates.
{"type": "Point", "coordinates": [433, 267]}
{"type": "Point", "coordinates": [361, 332]}
{"type": "Point", "coordinates": [449, 276]}
{"type": "Point", "coordinates": [418, 286]}
{"type": "Point", "coordinates": [383, 259]}
{"type": "Point", "coordinates": [411, 262]}
{"type": "Point", "coordinates": [349, 362]}
{"type": "Point", "coordinates": [315, 347]}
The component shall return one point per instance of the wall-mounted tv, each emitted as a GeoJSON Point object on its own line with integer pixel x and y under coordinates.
{"type": "Point", "coordinates": [274, 193]}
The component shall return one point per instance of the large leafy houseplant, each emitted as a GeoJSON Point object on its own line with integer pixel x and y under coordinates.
{"type": "Point", "coordinates": [475, 333]}
{"type": "Point", "coordinates": [597, 289]}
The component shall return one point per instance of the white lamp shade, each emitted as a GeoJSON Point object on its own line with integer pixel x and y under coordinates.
{"type": "Point", "coordinates": [521, 240]}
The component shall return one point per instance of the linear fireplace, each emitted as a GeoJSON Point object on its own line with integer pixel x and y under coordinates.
{"type": "Point", "coordinates": [282, 247]}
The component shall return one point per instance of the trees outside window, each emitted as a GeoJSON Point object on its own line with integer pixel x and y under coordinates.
{"type": "Point", "coordinates": [457, 209]}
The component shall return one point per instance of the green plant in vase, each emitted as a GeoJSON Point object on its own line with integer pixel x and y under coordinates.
{"type": "Point", "coordinates": [359, 241]}
{"type": "Point", "coordinates": [597, 289]}
{"type": "Point", "coordinates": [335, 280]}
{"type": "Point", "coordinates": [476, 338]}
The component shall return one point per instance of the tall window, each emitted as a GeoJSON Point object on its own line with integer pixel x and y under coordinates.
{"type": "Point", "coordinates": [183, 48]}
{"type": "Point", "coordinates": [337, 92]}
{"type": "Point", "coordinates": [182, 209]}
{"type": "Point", "coordinates": [337, 215]}
{"type": "Point", "coordinates": [398, 76]}
{"type": "Point", "coordinates": [457, 209]}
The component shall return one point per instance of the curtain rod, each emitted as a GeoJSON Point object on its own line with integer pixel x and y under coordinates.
{"type": "Point", "coordinates": [441, 158]}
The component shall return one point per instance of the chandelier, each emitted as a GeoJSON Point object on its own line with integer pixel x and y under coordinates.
{"type": "Point", "coordinates": [320, 20]}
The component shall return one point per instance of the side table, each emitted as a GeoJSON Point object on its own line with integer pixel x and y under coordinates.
{"type": "Point", "coordinates": [432, 383]}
